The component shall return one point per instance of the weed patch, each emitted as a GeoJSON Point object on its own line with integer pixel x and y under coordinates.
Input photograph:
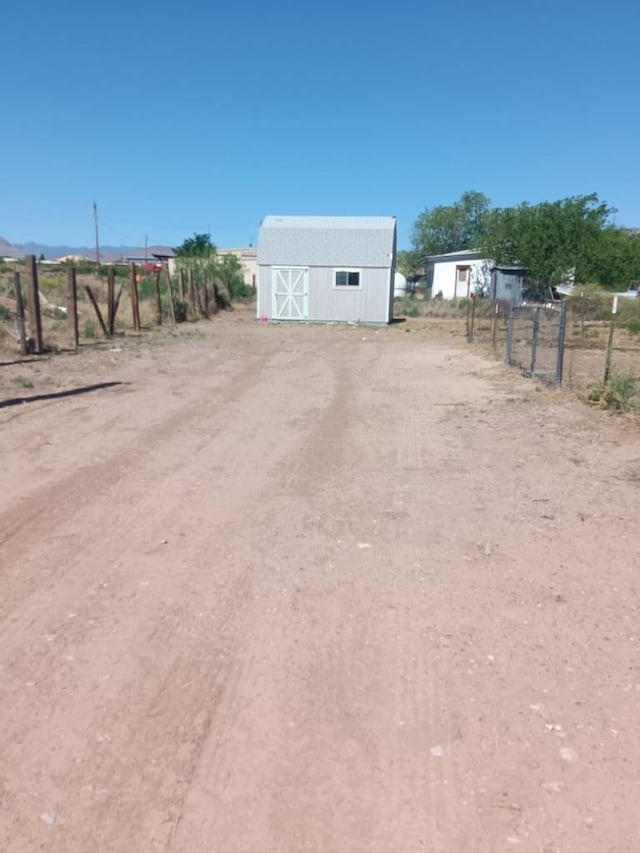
{"type": "Point", "coordinates": [618, 394]}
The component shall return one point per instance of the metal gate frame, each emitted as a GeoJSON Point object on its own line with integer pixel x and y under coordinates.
{"type": "Point", "coordinates": [533, 313]}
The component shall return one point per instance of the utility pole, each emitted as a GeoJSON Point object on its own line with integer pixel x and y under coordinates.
{"type": "Point", "coordinates": [95, 219]}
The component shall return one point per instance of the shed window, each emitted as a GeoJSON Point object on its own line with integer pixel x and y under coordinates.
{"type": "Point", "coordinates": [347, 278]}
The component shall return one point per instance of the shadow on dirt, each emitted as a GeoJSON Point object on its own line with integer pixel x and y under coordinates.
{"type": "Point", "coordinates": [58, 395]}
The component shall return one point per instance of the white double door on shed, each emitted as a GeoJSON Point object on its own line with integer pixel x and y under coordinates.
{"type": "Point", "coordinates": [290, 290]}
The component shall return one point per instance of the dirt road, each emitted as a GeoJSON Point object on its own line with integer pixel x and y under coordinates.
{"type": "Point", "coordinates": [314, 589]}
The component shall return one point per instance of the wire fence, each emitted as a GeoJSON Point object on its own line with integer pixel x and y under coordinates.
{"type": "Point", "coordinates": [578, 343]}
{"type": "Point", "coordinates": [53, 308]}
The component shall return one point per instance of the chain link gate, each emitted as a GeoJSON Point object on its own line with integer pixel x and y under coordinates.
{"type": "Point", "coordinates": [535, 340]}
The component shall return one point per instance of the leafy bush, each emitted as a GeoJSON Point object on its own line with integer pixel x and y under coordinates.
{"type": "Point", "coordinates": [5, 314]}
{"type": "Point", "coordinates": [239, 290]}
{"type": "Point", "coordinates": [180, 308]}
{"type": "Point", "coordinates": [618, 394]}
{"type": "Point", "coordinates": [90, 330]}
{"type": "Point", "coordinates": [146, 288]}
{"type": "Point", "coordinates": [81, 267]}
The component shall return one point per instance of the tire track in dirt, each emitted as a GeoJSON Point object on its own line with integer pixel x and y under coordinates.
{"type": "Point", "coordinates": [164, 618]}
{"type": "Point", "coordinates": [330, 700]}
{"type": "Point", "coordinates": [51, 504]}
{"type": "Point", "coordinates": [395, 591]}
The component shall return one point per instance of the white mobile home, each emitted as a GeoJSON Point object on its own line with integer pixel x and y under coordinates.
{"type": "Point", "coordinates": [461, 274]}
{"type": "Point", "coordinates": [327, 268]}
{"type": "Point", "coordinates": [457, 274]}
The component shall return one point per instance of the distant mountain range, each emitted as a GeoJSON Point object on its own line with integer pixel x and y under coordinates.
{"type": "Point", "coordinates": [108, 254]}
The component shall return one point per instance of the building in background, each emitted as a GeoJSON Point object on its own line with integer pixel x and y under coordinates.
{"type": "Point", "coordinates": [458, 275]}
{"type": "Point", "coordinates": [249, 259]}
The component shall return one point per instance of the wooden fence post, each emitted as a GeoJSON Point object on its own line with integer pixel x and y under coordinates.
{"type": "Point", "coordinates": [72, 306]}
{"type": "Point", "coordinates": [181, 283]}
{"type": "Point", "coordinates": [192, 293]}
{"type": "Point", "coordinates": [172, 310]}
{"type": "Point", "coordinates": [199, 298]}
{"type": "Point", "coordinates": [117, 303]}
{"type": "Point", "coordinates": [135, 307]}
{"type": "Point", "coordinates": [111, 298]}
{"type": "Point", "coordinates": [20, 314]}
{"type": "Point", "coordinates": [96, 308]}
{"type": "Point", "coordinates": [206, 301]}
{"type": "Point", "coordinates": [156, 277]}
{"type": "Point", "coordinates": [33, 303]}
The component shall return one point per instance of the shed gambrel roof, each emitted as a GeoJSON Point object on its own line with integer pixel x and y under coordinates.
{"type": "Point", "coordinates": [327, 241]}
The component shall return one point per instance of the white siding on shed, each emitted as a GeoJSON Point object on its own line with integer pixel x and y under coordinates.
{"type": "Point", "coordinates": [322, 245]}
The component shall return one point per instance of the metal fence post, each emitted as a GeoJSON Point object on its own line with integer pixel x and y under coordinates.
{"type": "Point", "coordinates": [509, 335]}
{"type": "Point", "coordinates": [562, 327]}
{"type": "Point", "coordinates": [473, 317]}
{"type": "Point", "coordinates": [534, 339]}
{"type": "Point", "coordinates": [607, 363]}
{"type": "Point", "coordinates": [494, 329]}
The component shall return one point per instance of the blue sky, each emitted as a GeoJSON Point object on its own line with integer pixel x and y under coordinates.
{"type": "Point", "coordinates": [201, 116]}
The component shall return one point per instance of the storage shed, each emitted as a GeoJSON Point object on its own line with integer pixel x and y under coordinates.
{"type": "Point", "coordinates": [507, 282]}
{"type": "Point", "coordinates": [327, 268]}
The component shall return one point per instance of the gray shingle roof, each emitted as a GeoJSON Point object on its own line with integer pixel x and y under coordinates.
{"type": "Point", "coordinates": [350, 241]}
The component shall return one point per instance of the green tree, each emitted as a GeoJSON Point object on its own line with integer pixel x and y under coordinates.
{"type": "Point", "coordinates": [616, 259]}
{"type": "Point", "coordinates": [230, 273]}
{"type": "Point", "coordinates": [222, 273]}
{"type": "Point", "coordinates": [408, 262]}
{"type": "Point", "coordinates": [553, 240]}
{"type": "Point", "coordinates": [197, 255]}
{"type": "Point", "coordinates": [451, 228]}
{"type": "Point", "coordinates": [198, 246]}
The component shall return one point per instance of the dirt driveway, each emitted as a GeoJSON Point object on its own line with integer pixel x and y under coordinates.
{"type": "Point", "coordinates": [288, 589]}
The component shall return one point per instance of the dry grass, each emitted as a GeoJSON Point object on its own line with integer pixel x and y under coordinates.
{"type": "Point", "coordinates": [55, 325]}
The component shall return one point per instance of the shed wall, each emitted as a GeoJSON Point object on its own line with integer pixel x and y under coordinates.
{"type": "Point", "coordinates": [509, 285]}
{"type": "Point", "coordinates": [370, 303]}
{"type": "Point", "coordinates": [263, 302]}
